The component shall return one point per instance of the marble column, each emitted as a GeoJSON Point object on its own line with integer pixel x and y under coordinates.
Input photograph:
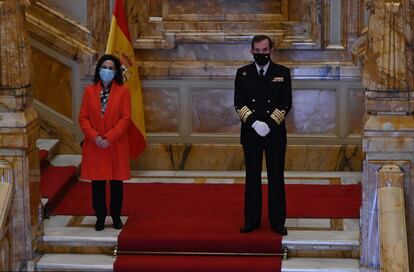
{"type": "Point", "coordinates": [391, 216]}
{"type": "Point", "coordinates": [99, 21]}
{"type": "Point", "coordinates": [18, 130]}
{"type": "Point", "coordinates": [386, 56]}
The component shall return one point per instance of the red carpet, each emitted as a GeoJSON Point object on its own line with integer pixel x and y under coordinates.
{"type": "Point", "coordinates": [177, 263]}
{"type": "Point", "coordinates": [53, 178]}
{"type": "Point", "coordinates": [206, 218]}
{"type": "Point", "coordinates": [146, 199]}
{"type": "Point", "coordinates": [43, 154]}
{"type": "Point", "coordinates": [55, 182]}
{"type": "Point", "coordinates": [196, 232]}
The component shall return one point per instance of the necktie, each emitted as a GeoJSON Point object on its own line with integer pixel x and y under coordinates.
{"type": "Point", "coordinates": [261, 72]}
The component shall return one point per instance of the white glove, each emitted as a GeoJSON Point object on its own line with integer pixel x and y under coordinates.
{"type": "Point", "coordinates": [261, 128]}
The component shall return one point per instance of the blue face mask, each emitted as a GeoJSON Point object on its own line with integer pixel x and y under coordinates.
{"type": "Point", "coordinates": [106, 74]}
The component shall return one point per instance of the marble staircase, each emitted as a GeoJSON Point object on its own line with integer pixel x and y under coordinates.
{"type": "Point", "coordinates": [71, 243]}
{"type": "Point", "coordinates": [57, 161]}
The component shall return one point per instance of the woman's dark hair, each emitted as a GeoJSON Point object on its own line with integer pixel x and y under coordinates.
{"type": "Point", "coordinates": [259, 38]}
{"type": "Point", "coordinates": [118, 71]}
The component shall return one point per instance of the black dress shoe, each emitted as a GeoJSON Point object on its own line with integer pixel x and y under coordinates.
{"type": "Point", "coordinates": [100, 224]}
{"type": "Point", "coordinates": [280, 230]}
{"type": "Point", "coordinates": [248, 228]}
{"type": "Point", "coordinates": [117, 223]}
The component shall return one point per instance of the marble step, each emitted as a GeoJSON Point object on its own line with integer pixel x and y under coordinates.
{"type": "Point", "coordinates": [230, 177]}
{"type": "Point", "coordinates": [317, 174]}
{"type": "Point", "coordinates": [60, 235]}
{"type": "Point", "coordinates": [322, 243]}
{"type": "Point", "coordinates": [320, 265]}
{"type": "Point", "coordinates": [66, 160]}
{"type": "Point", "coordinates": [98, 262]}
{"type": "Point", "coordinates": [296, 240]}
{"type": "Point", "coordinates": [75, 262]}
{"type": "Point", "coordinates": [77, 233]}
{"type": "Point", "coordinates": [47, 144]}
{"type": "Point", "coordinates": [81, 237]}
{"type": "Point", "coordinates": [291, 177]}
{"type": "Point", "coordinates": [320, 239]}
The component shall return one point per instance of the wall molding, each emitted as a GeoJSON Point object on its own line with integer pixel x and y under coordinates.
{"type": "Point", "coordinates": [158, 27]}
{"type": "Point", "coordinates": [185, 135]}
{"type": "Point", "coordinates": [47, 112]}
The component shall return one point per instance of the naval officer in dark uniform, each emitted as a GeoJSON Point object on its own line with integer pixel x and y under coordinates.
{"type": "Point", "coordinates": [263, 98]}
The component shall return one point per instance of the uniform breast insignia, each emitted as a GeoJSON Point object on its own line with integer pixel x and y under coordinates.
{"type": "Point", "coordinates": [244, 73]}
{"type": "Point", "coordinates": [277, 79]}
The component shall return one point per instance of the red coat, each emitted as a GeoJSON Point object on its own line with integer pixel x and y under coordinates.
{"type": "Point", "coordinates": [111, 163]}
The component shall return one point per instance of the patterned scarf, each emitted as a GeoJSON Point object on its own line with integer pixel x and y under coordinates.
{"type": "Point", "coordinates": [105, 97]}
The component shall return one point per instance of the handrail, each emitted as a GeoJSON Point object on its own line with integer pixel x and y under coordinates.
{"type": "Point", "coordinates": [391, 216]}
{"type": "Point", "coordinates": [6, 191]}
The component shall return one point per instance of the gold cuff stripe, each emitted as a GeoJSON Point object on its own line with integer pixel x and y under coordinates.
{"type": "Point", "coordinates": [278, 116]}
{"type": "Point", "coordinates": [244, 113]}
{"type": "Point", "coordinates": [247, 115]}
{"type": "Point", "coordinates": [244, 110]}
{"type": "Point", "coordinates": [277, 120]}
{"type": "Point", "coordinates": [280, 113]}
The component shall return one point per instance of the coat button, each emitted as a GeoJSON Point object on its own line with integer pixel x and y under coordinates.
{"type": "Point", "coordinates": [268, 111]}
{"type": "Point", "coordinates": [268, 101]}
{"type": "Point", "coordinates": [253, 100]}
{"type": "Point", "coordinates": [252, 110]}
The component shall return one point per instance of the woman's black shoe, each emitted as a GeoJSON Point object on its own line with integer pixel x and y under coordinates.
{"type": "Point", "coordinates": [117, 223]}
{"type": "Point", "coordinates": [100, 224]}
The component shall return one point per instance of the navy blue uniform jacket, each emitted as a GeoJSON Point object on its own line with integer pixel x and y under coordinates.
{"type": "Point", "coordinates": [267, 99]}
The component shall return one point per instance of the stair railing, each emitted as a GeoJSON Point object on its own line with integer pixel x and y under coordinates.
{"type": "Point", "coordinates": [6, 197]}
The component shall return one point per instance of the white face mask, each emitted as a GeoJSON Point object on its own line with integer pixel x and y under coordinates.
{"type": "Point", "coordinates": [106, 74]}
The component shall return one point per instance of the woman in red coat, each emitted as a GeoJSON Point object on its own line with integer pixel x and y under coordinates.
{"type": "Point", "coordinates": [104, 119]}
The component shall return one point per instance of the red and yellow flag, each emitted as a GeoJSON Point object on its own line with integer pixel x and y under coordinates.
{"type": "Point", "coordinates": [119, 44]}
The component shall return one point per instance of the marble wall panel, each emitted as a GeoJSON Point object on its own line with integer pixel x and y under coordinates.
{"type": "Point", "coordinates": [324, 158]}
{"type": "Point", "coordinates": [224, 7]}
{"type": "Point", "coordinates": [196, 111]}
{"type": "Point", "coordinates": [97, 11]}
{"type": "Point", "coordinates": [213, 111]}
{"type": "Point", "coordinates": [160, 157]}
{"type": "Point", "coordinates": [155, 8]}
{"type": "Point", "coordinates": [218, 21]}
{"type": "Point", "coordinates": [313, 112]}
{"type": "Point", "coordinates": [161, 106]}
{"type": "Point", "coordinates": [197, 52]}
{"type": "Point", "coordinates": [356, 111]}
{"type": "Point", "coordinates": [229, 157]}
{"type": "Point", "coordinates": [296, 9]}
{"type": "Point", "coordinates": [52, 83]}
{"type": "Point", "coordinates": [233, 52]}
{"type": "Point", "coordinates": [74, 8]}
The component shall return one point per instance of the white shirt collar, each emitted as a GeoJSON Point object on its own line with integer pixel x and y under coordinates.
{"type": "Point", "coordinates": [264, 68]}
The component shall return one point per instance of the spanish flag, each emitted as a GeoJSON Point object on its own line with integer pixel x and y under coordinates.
{"type": "Point", "coordinates": [119, 44]}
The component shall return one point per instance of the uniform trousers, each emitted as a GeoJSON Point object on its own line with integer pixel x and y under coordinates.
{"type": "Point", "coordinates": [99, 198]}
{"type": "Point", "coordinates": [275, 160]}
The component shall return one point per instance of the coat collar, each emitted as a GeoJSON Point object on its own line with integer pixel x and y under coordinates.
{"type": "Point", "coordinates": [97, 97]}
{"type": "Point", "coordinates": [253, 69]}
